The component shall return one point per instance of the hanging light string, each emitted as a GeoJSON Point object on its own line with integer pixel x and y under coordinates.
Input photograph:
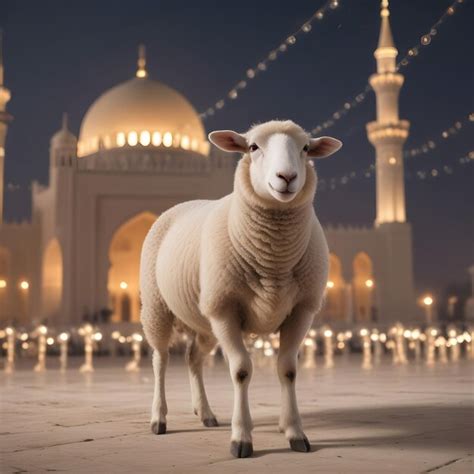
{"type": "Point", "coordinates": [331, 184]}
{"type": "Point", "coordinates": [411, 54]}
{"type": "Point", "coordinates": [271, 57]}
{"type": "Point", "coordinates": [456, 127]}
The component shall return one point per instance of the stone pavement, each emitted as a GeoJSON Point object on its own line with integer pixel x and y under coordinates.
{"type": "Point", "coordinates": [409, 419]}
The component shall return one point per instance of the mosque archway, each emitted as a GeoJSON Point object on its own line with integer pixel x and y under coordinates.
{"type": "Point", "coordinates": [335, 290]}
{"type": "Point", "coordinates": [124, 256]}
{"type": "Point", "coordinates": [52, 278]}
{"type": "Point", "coordinates": [363, 287]}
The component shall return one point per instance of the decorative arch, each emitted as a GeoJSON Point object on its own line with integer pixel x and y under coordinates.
{"type": "Point", "coordinates": [363, 287]}
{"type": "Point", "coordinates": [124, 256]}
{"type": "Point", "coordinates": [335, 308]}
{"type": "Point", "coordinates": [51, 278]}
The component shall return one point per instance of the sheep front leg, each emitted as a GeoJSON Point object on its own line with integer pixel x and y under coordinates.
{"type": "Point", "coordinates": [292, 332]}
{"type": "Point", "coordinates": [229, 334]}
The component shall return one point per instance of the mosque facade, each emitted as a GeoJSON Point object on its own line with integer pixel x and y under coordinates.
{"type": "Point", "coordinates": [142, 148]}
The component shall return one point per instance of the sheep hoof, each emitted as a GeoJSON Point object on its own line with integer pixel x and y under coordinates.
{"type": "Point", "coordinates": [241, 449]}
{"type": "Point", "coordinates": [301, 445]}
{"type": "Point", "coordinates": [210, 422]}
{"type": "Point", "coordinates": [158, 427]}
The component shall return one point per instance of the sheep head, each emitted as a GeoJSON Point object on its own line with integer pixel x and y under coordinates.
{"type": "Point", "coordinates": [279, 152]}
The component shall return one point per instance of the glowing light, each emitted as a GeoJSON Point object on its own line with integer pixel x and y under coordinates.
{"type": "Point", "coordinates": [3, 283]}
{"type": "Point", "coordinates": [98, 336]}
{"type": "Point", "coordinates": [123, 285]}
{"type": "Point", "coordinates": [330, 284]}
{"type": "Point", "coordinates": [24, 336]}
{"type": "Point", "coordinates": [348, 334]}
{"type": "Point", "coordinates": [64, 336]}
{"type": "Point", "coordinates": [194, 144]}
{"type": "Point", "coordinates": [167, 139]}
{"type": "Point", "coordinates": [156, 139]}
{"type": "Point", "coordinates": [258, 344]}
{"type": "Point", "coordinates": [433, 332]}
{"type": "Point", "coordinates": [383, 337]}
{"type": "Point", "coordinates": [137, 337]}
{"type": "Point", "coordinates": [369, 283]}
{"type": "Point", "coordinates": [121, 139]}
{"type": "Point", "coordinates": [122, 339]}
{"type": "Point", "coordinates": [132, 138]}
{"type": "Point", "coordinates": [268, 352]}
{"type": "Point", "coordinates": [145, 138]}
{"type": "Point", "coordinates": [428, 300]}
{"type": "Point", "coordinates": [374, 337]}
{"type": "Point", "coordinates": [185, 142]}
{"type": "Point", "coordinates": [308, 342]}
{"type": "Point", "coordinates": [312, 333]}
{"type": "Point", "coordinates": [327, 333]}
{"type": "Point", "coordinates": [392, 160]}
{"type": "Point", "coordinates": [25, 346]}
{"type": "Point", "coordinates": [115, 335]}
{"type": "Point", "coordinates": [407, 333]}
{"type": "Point", "coordinates": [9, 331]}
{"type": "Point", "coordinates": [50, 341]}
{"type": "Point", "coordinates": [364, 332]}
{"type": "Point", "coordinates": [24, 285]}
{"type": "Point", "coordinates": [42, 329]}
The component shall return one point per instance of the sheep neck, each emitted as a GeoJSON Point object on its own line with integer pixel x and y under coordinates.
{"type": "Point", "coordinates": [269, 240]}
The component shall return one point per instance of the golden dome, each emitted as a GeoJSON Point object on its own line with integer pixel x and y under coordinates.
{"type": "Point", "coordinates": [142, 113]}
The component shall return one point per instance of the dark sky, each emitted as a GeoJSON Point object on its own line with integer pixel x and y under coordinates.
{"type": "Point", "coordinates": [60, 56]}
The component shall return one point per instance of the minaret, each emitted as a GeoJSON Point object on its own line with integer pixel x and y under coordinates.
{"type": "Point", "coordinates": [388, 133]}
{"type": "Point", "coordinates": [5, 119]}
{"type": "Point", "coordinates": [141, 63]}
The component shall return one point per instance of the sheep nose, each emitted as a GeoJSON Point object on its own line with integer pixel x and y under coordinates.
{"type": "Point", "coordinates": [288, 178]}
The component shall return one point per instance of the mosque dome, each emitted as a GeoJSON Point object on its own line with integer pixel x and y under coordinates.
{"type": "Point", "coordinates": [142, 112]}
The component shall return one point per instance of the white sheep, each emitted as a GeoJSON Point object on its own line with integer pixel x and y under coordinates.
{"type": "Point", "coordinates": [255, 261]}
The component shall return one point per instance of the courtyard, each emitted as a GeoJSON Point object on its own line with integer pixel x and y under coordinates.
{"type": "Point", "coordinates": [401, 419]}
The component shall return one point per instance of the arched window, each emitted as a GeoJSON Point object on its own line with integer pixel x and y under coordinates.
{"type": "Point", "coordinates": [334, 307]}
{"type": "Point", "coordinates": [124, 254]}
{"type": "Point", "coordinates": [363, 287]}
{"type": "Point", "coordinates": [52, 279]}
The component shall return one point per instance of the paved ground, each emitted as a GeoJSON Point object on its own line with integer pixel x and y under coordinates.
{"type": "Point", "coordinates": [409, 419]}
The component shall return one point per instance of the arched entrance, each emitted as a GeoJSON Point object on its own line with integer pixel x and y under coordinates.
{"type": "Point", "coordinates": [363, 287]}
{"type": "Point", "coordinates": [52, 279]}
{"type": "Point", "coordinates": [335, 290]}
{"type": "Point", "coordinates": [124, 255]}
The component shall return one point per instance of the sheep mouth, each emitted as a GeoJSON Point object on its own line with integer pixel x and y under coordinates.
{"type": "Point", "coordinates": [280, 192]}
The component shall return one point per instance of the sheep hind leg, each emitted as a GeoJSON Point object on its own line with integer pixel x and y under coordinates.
{"type": "Point", "coordinates": [158, 326]}
{"type": "Point", "coordinates": [198, 348]}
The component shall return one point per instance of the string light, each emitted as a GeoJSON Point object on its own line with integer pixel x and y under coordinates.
{"type": "Point", "coordinates": [412, 53]}
{"type": "Point", "coordinates": [456, 127]}
{"type": "Point", "coordinates": [262, 66]}
{"type": "Point", "coordinates": [331, 184]}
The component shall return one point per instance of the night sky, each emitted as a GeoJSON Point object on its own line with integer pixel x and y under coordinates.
{"type": "Point", "coordinates": [60, 56]}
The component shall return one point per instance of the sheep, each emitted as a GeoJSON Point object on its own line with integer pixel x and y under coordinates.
{"type": "Point", "coordinates": [255, 261]}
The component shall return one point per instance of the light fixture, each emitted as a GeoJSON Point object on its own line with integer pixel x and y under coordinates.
{"type": "Point", "coordinates": [24, 285]}
{"type": "Point", "coordinates": [123, 285]}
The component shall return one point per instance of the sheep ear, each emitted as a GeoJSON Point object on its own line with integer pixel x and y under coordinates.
{"type": "Point", "coordinates": [323, 146]}
{"type": "Point", "coordinates": [228, 140]}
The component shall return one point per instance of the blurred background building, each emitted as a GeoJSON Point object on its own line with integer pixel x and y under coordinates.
{"type": "Point", "coordinates": [142, 148]}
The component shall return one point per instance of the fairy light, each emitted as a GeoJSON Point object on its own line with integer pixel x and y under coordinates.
{"type": "Point", "coordinates": [10, 343]}
{"type": "Point", "coordinates": [87, 331]}
{"type": "Point", "coordinates": [262, 66]}
{"type": "Point", "coordinates": [366, 349]}
{"type": "Point", "coordinates": [134, 364]}
{"type": "Point", "coordinates": [328, 348]}
{"type": "Point", "coordinates": [411, 54]}
{"type": "Point", "coordinates": [42, 332]}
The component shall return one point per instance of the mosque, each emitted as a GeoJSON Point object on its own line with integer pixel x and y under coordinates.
{"type": "Point", "coordinates": [142, 148]}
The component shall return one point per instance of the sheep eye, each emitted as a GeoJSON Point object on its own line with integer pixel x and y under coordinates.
{"type": "Point", "coordinates": [306, 148]}
{"type": "Point", "coordinates": [253, 147]}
